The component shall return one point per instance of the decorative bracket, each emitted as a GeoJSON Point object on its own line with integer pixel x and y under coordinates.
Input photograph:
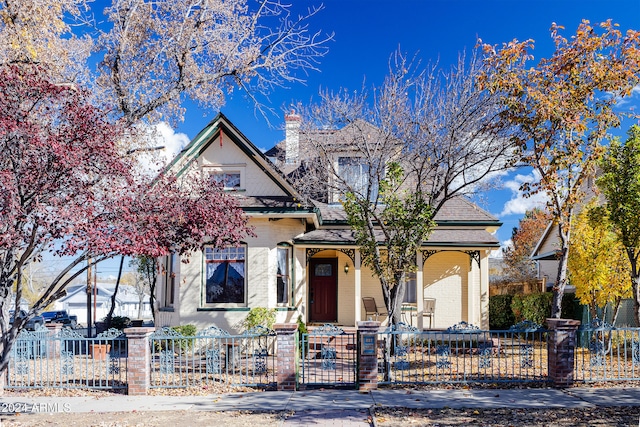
{"type": "Point", "coordinates": [351, 253]}
{"type": "Point", "coordinates": [473, 255]}
{"type": "Point", "coordinates": [426, 254]}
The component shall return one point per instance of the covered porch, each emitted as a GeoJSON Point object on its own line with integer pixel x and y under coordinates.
{"type": "Point", "coordinates": [448, 287]}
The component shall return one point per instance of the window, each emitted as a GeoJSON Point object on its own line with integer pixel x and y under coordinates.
{"type": "Point", "coordinates": [323, 270]}
{"type": "Point", "coordinates": [229, 176]}
{"type": "Point", "coordinates": [355, 173]}
{"type": "Point", "coordinates": [169, 280]}
{"type": "Point", "coordinates": [225, 275]}
{"type": "Point", "coordinates": [228, 180]}
{"type": "Point", "coordinates": [283, 276]}
{"type": "Point", "coordinates": [410, 289]}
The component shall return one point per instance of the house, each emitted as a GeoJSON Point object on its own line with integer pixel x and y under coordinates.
{"type": "Point", "coordinates": [127, 302]}
{"type": "Point", "coordinates": [303, 260]}
{"type": "Point", "coordinates": [546, 253]}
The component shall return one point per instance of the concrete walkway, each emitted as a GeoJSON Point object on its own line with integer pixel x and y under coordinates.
{"type": "Point", "coordinates": [334, 407]}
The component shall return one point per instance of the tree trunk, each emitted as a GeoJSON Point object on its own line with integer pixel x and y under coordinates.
{"type": "Point", "coordinates": [564, 230]}
{"type": "Point", "coordinates": [394, 300]}
{"type": "Point", "coordinates": [140, 303]}
{"type": "Point", "coordinates": [115, 293]}
{"type": "Point", "coordinates": [616, 310]}
{"type": "Point", "coordinates": [561, 283]}
{"type": "Point", "coordinates": [635, 281]}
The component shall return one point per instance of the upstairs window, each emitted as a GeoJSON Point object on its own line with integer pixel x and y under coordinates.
{"type": "Point", "coordinates": [230, 177]}
{"type": "Point", "coordinates": [228, 180]}
{"type": "Point", "coordinates": [225, 275]}
{"type": "Point", "coordinates": [354, 171]}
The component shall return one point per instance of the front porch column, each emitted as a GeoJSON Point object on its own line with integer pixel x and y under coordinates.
{"type": "Point", "coordinates": [484, 291]}
{"type": "Point", "coordinates": [473, 293]}
{"type": "Point", "coordinates": [419, 292]}
{"type": "Point", "coordinates": [358, 286]}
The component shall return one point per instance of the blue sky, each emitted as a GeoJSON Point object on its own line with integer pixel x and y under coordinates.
{"type": "Point", "coordinates": [367, 32]}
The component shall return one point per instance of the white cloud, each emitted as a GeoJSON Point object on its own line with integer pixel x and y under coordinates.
{"type": "Point", "coordinates": [635, 93]}
{"type": "Point", "coordinates": [519, 204]}
{"type": "Point", "coordinates": [162, 145]}
{"type": "Point", "coordinates": [498, 253]}
{"type": "Point", "coordinates": [172, 141]}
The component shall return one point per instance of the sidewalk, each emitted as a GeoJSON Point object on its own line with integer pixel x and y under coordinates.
{"type": "Point", "coordinates": [335, 407]}
{"type": "Point", "coordinates": [345, 399]}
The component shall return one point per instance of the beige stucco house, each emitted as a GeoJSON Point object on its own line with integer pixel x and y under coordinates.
{"type": "Point", "coordinates": [303, 260]}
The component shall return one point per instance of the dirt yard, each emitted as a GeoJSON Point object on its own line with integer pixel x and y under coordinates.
{"type": "Point", "coordinates": [614, 416]}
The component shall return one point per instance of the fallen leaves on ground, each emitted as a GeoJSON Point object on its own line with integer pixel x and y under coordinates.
{"type": "Point", "coordinates": [556, 417]}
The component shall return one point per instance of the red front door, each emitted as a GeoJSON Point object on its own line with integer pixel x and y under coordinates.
{"type": "Point", "coordinates": [323, 290]}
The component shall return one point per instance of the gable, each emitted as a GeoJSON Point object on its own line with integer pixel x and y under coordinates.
{"type": "Point", "coordinates": [547, 246]}
{"type": "Point", "coordinates": [221, 149]}
{"type": "Point", "coordinates": [224, 156]}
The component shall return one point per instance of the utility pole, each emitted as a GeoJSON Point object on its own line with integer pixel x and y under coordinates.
{"type": "Point", "coordinates": [89, 292]}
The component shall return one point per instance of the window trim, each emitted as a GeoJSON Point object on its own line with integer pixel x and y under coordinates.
{"type": "Point", "coordinates": [410, 277]}
{"type": "Point", "coordinates": [290, 262]}
{"type": "Point", "coordinates": [229, 169]}
{"type": "Point", "coordinates": [169, 290]}
{"type": "Point", "coordinates": [203, 291]}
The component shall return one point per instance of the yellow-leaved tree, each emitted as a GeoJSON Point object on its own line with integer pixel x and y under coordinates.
{"type": "Point", "coordinates": [597, 261]}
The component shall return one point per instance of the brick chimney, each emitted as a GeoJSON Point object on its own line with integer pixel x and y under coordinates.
{"type": "Point", "coordinates": [292, 136]}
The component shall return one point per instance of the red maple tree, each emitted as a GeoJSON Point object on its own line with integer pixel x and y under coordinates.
{"type": "Point", "coordinates": [65, 187]}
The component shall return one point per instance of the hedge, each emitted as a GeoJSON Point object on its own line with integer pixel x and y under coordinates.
{"type": "Point", "coordinates": [507, 310]}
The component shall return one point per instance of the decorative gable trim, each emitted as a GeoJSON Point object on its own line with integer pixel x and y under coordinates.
{"type": "Point", "coordinates": [221, 126]}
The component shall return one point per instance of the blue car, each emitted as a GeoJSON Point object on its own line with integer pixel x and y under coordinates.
{"type": "Point", "coordinates": [31, 323]}
{"type": "Point", "coordinates": [60, 316]}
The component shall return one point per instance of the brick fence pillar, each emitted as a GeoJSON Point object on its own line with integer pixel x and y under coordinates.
{"type": "Point", "coordinates": [53, 345]}
{"type": "Point", "coordinates": [368, 355]}
{"type": "Point", "coordinates": [138, 361]}
{"type": "Point", "coordinates": [287, 355]}
{"type": "Point", "coordinates": [561, 347]}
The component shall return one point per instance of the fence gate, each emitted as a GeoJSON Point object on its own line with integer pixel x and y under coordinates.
{"type": "Point", "coordinates": [328, 358]}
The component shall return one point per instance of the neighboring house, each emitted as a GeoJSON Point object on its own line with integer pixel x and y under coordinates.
{"type": "Point", "coordinates": [546, 253]}
{"type": "Point", "coordinates": [127, 302]}
{"type": "Point", "coordinates": [304, 260]}
{"type": "Point", "coordinates": [23, 305]}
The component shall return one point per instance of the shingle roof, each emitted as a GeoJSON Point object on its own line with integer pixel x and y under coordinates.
{"type": "Point", "coordinates": [458, 209]}
{"type": "Point", "coordinates": [439, 237]}
{"type": "Point", "coordinates": [271, 202]}
{"type": "Point", "coordinates": [463, 209]}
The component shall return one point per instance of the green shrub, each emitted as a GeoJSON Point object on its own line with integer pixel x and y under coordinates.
{"type": "Point", "coordinates": [185, 330]}
{"type": "Point", "coordinates": [533, 307]}
{"type": "Point", "coordinates": [179, 345]}
{"type": "Point", "coordinates": [571, 307]}
{"type": "Point", "coordinates": [302, 329]}
{"type": "Point", "coordinates": [500, 314]}
{"type": "Point", "coordinates": [260, 316]}
{"type": "Point", "coordinates": [118, 322]}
